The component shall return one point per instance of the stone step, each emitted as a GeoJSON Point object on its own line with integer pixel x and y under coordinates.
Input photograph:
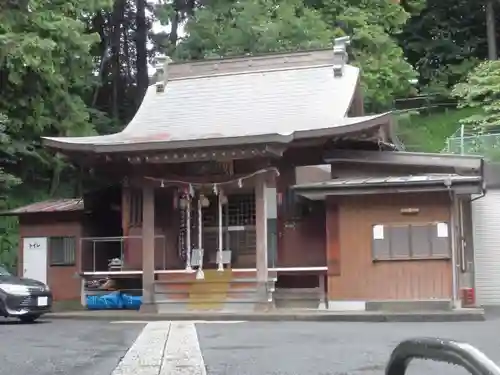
{"type": "Point", "coordinates": [298, 294]}
{"type": "Point", "coordinates": [204, 281]}
{"type": "Point", "coordinates": [208, 300]}
{"type": "Point", "coordinates": [219, 296]}
{"type": "Point", "coordinates": [182, 307]}
{"type": "Point", "coordinates": [410, 305]}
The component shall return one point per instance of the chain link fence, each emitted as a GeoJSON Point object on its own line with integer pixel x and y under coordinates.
{"type": "Point", "coordinates": [487, 145]}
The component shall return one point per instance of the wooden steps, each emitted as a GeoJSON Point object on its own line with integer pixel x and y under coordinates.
{"type": "Point", "coordinates": [218, 291]}
{"type": "Point", "coordinates": [211, 292]}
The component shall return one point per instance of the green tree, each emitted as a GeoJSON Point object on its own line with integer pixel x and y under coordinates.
{"type": "Point", "coordinates": [7, 180]}
{"type": "Point", "coordinates": [445, 41]}
{"type": "Point", "coordinates": [46, 75]}
{"type": "Point", "coordinates": [481, 89]}
{"type": "Point", "coordinates": [374, 25]}
{"type": "Point", "coordinates": [46, 71]}
{"type": "Point", "coordinates": [227, 28]}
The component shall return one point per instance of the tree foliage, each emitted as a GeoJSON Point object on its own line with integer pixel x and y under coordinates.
{"type": "Point", "coordinates": [222, 28]}
{"type": "Point", "coordinates": [374, 26]}
{"type": "Point", "coordinates": [253, 27]}
{"type": "Point", "coordinates": [481, 90]}
{"type": "Point", "coordinates": [445, 41]}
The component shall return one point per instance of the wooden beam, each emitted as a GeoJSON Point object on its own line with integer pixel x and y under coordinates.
{"type": "Point", "coordinates": [181, 156]}
{"type": "Point", "coordinates": [148, 249]}
{"type": "Point", "coordinates": [261, 210]}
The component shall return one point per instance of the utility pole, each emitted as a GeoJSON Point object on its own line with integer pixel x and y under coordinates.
{"type": "Point", "coordinates": [491, 31]}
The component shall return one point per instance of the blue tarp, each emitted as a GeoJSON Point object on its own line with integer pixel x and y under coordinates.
{"type": "Point", "coordinates": [114, 300]}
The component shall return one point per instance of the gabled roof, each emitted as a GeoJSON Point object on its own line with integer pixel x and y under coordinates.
{"type": "Point", "coordinates": [53, 205]}
{"type": "Point", "coordinates": [275, 98]}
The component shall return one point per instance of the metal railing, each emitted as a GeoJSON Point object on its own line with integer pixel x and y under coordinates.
{"type": "Point", "coordinates": [487, 145]}
{"type": "Point", "coordinates": [124, 253]}
{"type": "Point", "coordinates": [468, 140]}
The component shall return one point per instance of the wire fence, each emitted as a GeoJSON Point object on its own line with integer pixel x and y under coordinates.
{"type": "Point", "coordinates": [486, 145]}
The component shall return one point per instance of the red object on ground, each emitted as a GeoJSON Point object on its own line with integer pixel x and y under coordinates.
{"type": "Point", "coordinates": [468, 297]}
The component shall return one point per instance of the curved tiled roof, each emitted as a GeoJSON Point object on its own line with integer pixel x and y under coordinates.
{"type": "Point", "coordinates": [276, 98]}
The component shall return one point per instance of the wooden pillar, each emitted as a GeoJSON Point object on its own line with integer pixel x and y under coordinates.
{"type": "Point", "coordinates": [455, 238]}
{"type": "Point", "coordinates": [333, 255]}
{"type": "Point", "coordinates": [272, 221]}
{"type": "Point", "coordinates": [261, 234]}
{"type": "Point", "coordinates": [148, 249]}
{"type": "Point", "coordinates": [125, 221]}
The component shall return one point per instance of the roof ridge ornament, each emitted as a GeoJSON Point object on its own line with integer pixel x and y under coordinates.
{"type": "Point", "coordinates": [340, 56]}
{"type": "Point", "coordinates": [161, 67]}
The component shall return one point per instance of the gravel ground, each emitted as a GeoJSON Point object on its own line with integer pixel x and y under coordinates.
{"type": "Point", "coordinates": [63, 347]}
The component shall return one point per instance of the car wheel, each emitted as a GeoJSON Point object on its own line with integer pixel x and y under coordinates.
{"type": "Point", "coordinates": [28, 318]}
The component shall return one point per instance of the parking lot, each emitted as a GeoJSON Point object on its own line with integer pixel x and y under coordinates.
{"type": "Point", "coordinates": [245, 348]}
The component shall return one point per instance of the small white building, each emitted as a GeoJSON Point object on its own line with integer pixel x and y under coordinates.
{"type": "Point", "coordinates": [486, 219]}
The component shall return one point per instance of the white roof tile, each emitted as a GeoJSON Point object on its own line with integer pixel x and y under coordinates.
{"type": "Point", "coordinates": [279, 102]}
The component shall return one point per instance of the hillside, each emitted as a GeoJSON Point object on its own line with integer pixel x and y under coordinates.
{"type": "Point", "coordinates": [429, 132]}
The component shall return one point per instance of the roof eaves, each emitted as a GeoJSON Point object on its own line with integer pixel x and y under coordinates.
{"type": "Point", "coordinates": [50, 206]}
{"type": "Point", "coordinates": [327, 185]}
{"type": "Point", "coordinates": [355, 127]}
{"type": "Point", "coordinates": [405, 158]}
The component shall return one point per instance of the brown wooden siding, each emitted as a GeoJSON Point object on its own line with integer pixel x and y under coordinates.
{"type": "Point", "coordinates": [166, 228]}
{"type": "Point", "coordinates": [301, 242]}
{"type": "Point", "coordinates": [362, 279]}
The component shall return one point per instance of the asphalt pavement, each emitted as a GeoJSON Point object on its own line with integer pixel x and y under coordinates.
{"type": "Point", "coordinates": [293, 348]}
{"type": "Point", "coordinates": [63, 347]}
{"type": "Point", "coordinates": [239, 348]}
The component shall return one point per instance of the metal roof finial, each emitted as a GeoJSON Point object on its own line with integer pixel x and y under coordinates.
{"type": "Point", "coordinates": [340, 57]}
{"type": "Point", "coordinates": [161, 67]}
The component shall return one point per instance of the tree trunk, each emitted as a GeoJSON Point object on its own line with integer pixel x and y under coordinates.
{"type": "Point", "coordinates": [491, 30]}
{"type": "Point", "coordinates": [173, 36]}
{"type": "Point", "coordinates": [117, 20]}
{"type": "Point", "coordinates": [142, 54]}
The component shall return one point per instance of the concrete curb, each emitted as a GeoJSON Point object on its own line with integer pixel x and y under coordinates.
{"type": "Point", "coordinates": [452, 316]}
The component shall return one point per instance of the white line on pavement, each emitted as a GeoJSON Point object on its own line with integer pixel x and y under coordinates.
{"type": "Point", "coordinates": [145, 356]}
{"type": "Point", "coordinates": [164, 348]}
{"type": "Point", "coordinates": [190, 321]}
{"type": "Point", "coordinates": [182, 352]}
{"type": "Point", "coordinates": [217, 321]}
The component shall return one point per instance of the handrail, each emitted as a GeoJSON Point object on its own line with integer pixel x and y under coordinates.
{"type": "Point", "coordinates": [457, 353]}
{"type": "Point", "coordinates": [116, 238]}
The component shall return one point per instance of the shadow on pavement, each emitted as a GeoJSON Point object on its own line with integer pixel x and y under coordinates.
{"type": "Point", "coordinates": [13, 321]}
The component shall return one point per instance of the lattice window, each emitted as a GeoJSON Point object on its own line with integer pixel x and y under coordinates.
{"type": "Point", "coordinates": [238, 222]}
{"type": "Point", "coordinates": [240, 211]}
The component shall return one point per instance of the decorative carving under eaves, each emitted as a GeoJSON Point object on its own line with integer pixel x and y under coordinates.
{"type": "Point", "coordinates": [210, 168]}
